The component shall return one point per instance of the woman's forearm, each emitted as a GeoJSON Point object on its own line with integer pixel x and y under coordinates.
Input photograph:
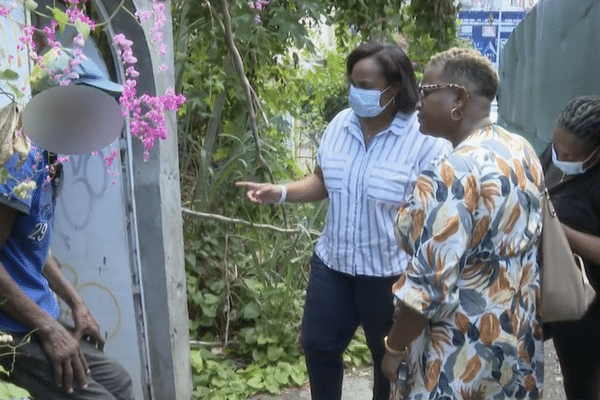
{"type": "Point", "coordinates": [408, 326]}
{"type": "Point", "coordinates": [583, 244]}
{"type": "Point", "coordinates": [310, 188]}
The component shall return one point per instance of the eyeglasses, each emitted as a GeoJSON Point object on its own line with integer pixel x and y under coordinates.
{"type": "Point", "coordinates": [425, 89]}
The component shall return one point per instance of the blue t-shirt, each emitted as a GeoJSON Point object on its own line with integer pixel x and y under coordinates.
{"type": "Point", "coordinates": [26, 249]}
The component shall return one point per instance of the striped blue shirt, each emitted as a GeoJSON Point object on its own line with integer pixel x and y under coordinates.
{"type": "Point", "coordinates": [366, 185]}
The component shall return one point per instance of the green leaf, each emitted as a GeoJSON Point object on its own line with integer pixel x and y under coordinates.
{"type": "Point", "coordinates": [271, 384]}
{"type": "Point", "coordinates": [251, 311]}
{"type": "Point", "coordinates": [298, 377]}
{"type": "Point", "coordinates": [253, 284]}
{"type": "Point", "coordinates": [17, 92]}
{"type": "Point", "coordinates": [255, 382]}
{"type": "Point", "coordinates": [190, 259]}
{"type": "Point", "coordinates": [262, 339]}
{"type": "Point", "coordinates": [274, 353]}
{"type": "Point", "coordinates": [83, 28]}
{"type": "Point", "coordinates": [61, 17]}
{"type": "Point", "coordinates": [282, 377]}
{"type": "Point", "coordinates": [210, 299]}
{"type": "Point", "coordinates": [31, 5]}
{"type": "Point", "coordinates": [9, 74]}
{"type": "Point", "coordinates": [4, 175]}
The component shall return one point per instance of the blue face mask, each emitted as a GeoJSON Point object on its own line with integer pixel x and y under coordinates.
{"type": "Point", "coordinates": [365, 102]}
{"type": "Point", "coordinates": [570, 167]}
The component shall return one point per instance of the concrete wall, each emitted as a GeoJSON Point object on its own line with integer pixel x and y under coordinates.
{"type": "Point", "coordinates": [119, 234]}
{"type": "Point", "coordinates": [159, 223]}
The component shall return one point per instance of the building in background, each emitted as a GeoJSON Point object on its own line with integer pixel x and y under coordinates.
{"type": "Point", "coordinates": [488, 23]}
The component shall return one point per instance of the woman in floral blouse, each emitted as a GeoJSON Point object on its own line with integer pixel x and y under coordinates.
{"type": "Point", "coordinates": [467, 318]}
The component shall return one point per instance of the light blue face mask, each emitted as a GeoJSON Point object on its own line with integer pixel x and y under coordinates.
{"type": "Point", "coordinates": [365, 102]}
{"type": "Point", "coordinates": [570, 167]}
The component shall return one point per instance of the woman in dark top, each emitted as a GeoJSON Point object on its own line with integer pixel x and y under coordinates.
{"type": "Point", "coordinates": [572, 172]}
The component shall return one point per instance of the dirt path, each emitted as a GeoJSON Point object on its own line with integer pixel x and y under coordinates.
{"type": "Point", "coordinates": [357, 383]}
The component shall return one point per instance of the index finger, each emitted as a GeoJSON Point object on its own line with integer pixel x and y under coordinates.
{"type": "Point", "coordinates": [245, 184]}
{"type": "Point", "coordinates": [79, 369]}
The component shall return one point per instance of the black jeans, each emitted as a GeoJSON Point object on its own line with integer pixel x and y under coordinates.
{"type": "Point", "coordinates": [578, 348]}
{"type": "Point", "coordinates": [33, 371]}
{"type": "Point", "coordinates": [336, 304]}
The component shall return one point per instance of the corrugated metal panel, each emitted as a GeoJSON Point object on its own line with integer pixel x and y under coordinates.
{"type": "Point", "coordinates": [552, 56]}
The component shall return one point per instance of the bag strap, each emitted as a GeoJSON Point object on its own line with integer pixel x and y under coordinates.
{"type": "Point", "coordinates": [549, 204]}
{"type": "Point", "coordinates": [581, 265]}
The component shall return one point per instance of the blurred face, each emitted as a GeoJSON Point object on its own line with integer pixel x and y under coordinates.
{"type": "Point", "coordinates": [570, 148]}
{"type": "Point", "coordinates": [437, 100]}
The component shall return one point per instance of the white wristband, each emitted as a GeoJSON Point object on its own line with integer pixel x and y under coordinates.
{"type": "Point", "coordinates": [283, 194]}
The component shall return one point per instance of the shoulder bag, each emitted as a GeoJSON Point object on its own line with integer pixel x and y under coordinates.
{"type": "Point", "coordinates": [566, 290]}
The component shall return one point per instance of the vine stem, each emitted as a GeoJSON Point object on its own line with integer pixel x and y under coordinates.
{"type": "Point", "coordinates": [247, 223]}
{"type": "Point", "coordinates": [239, 66]}
{"type": "Point", "coordinates": [228, 298]}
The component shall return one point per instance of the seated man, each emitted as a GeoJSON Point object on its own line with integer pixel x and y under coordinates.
{"type": "Point", "coordinates": [55, 362]}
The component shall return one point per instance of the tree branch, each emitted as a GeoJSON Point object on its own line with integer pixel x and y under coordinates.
{"type": "Point", "coordinates": [228, 220]}
{"type": "Point", "coordinates": [239, 66]}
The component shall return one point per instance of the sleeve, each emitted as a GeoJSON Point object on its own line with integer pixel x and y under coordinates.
{"type": "Point", "coordinates": [432, 148]}
{"type": "Point", "coordinates": [16, 183]}
{"type": "Point", "coordinates": [437, 225]}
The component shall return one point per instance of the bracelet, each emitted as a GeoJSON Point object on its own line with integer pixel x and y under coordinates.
{"type": "Point", "coordinates": [283, 194]}
{"type": "Point", "coordinates": [392, 351]}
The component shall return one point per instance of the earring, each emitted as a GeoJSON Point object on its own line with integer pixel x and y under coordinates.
{"type": "Point", "coordinates": [452, 114]}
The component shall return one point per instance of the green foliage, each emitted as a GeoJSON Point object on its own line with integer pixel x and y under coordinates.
{"type": "Point", "coordinates": [9, 391]}
{"type": "Point", "coordinates": [431, 27]}
{"type": "Point", "coordinates": [246, 284]}
{"type": "Point", "coordinates": [219, 377]}
{"type": "Point", "coordinates": [371, 19]}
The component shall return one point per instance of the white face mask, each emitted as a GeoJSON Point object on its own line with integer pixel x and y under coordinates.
{"type": "Point", "coordinates": [570, 167]}
{"type": "Point", "coordinates": [365, 102]}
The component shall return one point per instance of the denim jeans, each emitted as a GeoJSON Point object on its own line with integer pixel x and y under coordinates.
{"type": "Point", "coordinates": [336, 304]}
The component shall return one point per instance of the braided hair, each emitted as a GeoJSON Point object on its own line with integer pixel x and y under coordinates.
{"type": "Point", "coordinates": [581, 117]}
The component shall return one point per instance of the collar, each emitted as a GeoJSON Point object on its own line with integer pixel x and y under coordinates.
{"type": "Point", "coordinates": [398, 126]}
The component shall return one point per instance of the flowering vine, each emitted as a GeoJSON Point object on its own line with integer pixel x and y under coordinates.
{"type": "Point", "coordinates": [258, 5]}
{"type": "Point", "coordinates": [145, 114]}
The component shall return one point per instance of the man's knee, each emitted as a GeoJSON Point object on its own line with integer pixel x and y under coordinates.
{"type": "Point", "coordinates": [123, 384]}
{"type": "Point", "coordinates": [116, 380]}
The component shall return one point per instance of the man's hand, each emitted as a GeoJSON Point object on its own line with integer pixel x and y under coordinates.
{"type": "Point", "coordinates": [66, 356]}
{"type": "Point", "coordinates": [86, 326]}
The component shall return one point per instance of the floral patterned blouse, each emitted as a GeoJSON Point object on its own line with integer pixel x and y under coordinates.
{"type": "Point", "coordinates": [471, 227]}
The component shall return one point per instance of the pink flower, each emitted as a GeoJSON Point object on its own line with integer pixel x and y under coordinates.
{"type": "Point", "coordinates": [109, 159]}
{"type": "Point", "coordinates": [130, 71]}
{"type": "Point", "coordinates": [120, 40]}
{"type": "Point", "coordinates": [75, 14]}
{"type": "Point", "coordinates": [4, 11]}
{"type": "Point", "coordinates": [50, 31]}
{"type": "Point", "coordinates": [79, 40]}
{"type": "Point", "coordinates": [143, 15]}
{"type": "Point", "coordinates": [163, 67]}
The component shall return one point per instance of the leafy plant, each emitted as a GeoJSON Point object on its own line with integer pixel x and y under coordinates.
{"type": "Point", "coordinates": [8, 391]}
